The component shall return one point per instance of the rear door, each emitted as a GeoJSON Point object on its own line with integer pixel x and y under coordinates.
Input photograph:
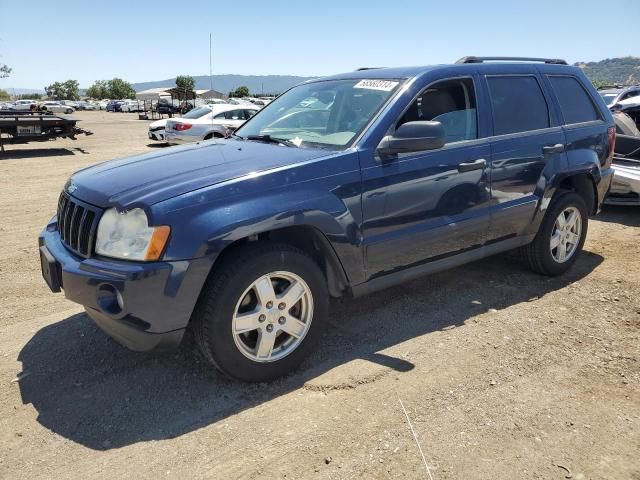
{"type": "Point", "coordinates": [526, 147]}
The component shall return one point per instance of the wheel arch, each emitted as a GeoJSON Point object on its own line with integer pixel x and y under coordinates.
{"type": "Point", "coordinates": [307, 238]}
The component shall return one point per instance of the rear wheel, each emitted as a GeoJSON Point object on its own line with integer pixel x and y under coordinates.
{"type": "Point", "coordinates": [262, 312]}
{"type": "Point", "coordinates": [561, 236]}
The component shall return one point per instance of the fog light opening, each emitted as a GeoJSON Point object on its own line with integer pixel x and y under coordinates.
{"type": "Point", "coordinates": [110, 299]}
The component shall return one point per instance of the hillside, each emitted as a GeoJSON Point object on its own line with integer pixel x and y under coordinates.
{"type": "Point", "coordinates": [625, 70]}
{"type": "Point", "coordinates": [227, 83]}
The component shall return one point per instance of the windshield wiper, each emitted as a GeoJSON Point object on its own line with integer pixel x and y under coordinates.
{"type": "Point", "coordinates": [270, 139]}
{"type": "Point", "coordinates": [234, 134]}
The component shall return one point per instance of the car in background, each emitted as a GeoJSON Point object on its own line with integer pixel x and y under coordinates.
{"type": "Point", "coordinates": [23, 105]}
{"type": "Point", "coordinates": [216, 101]}
{"type": "Point", "coordinates": [132, 106]}
{"type": "Point", "coordinates": [218, 123]}
{"type": "Point", "coordinates": [165, 107]}
{"type": "Point", "coordinates": [114, 106]}
{"type": "Point", "coordinates": [157, 128]}
{"type": "Point", "coordinates": [613, 94]}
{"type": "Point", "coordinates": [102, 104]}
{"type": "Point", "coordinates": [69, 103]}
{"type": "Point", "coordinates": [238, 101]}
{"type": "Point", "coordinates": [82, 105]}
{"type": "Point", "coordinates": [56, 107]}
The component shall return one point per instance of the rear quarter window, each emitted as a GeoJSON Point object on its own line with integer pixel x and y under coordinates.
{"type": "Point", "coordinates": [517, 103]}
{"type": "Point", "coordinates": [575, 102]}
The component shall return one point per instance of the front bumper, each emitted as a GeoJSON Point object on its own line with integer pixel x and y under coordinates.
{"type": "Point", "coordinates": [144, 306]}
{"type": "Point", "coordinates": [157, 135]}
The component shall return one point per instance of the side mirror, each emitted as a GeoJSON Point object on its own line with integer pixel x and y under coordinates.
{"type": "Point", "coordinates": [413, 137]}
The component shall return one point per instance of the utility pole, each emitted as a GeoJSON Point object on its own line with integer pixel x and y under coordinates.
{"type": "Point", "coordinates": [210, 62]}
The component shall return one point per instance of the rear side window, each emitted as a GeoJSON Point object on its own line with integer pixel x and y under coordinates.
{"type": "Point", "coordinates": [575, 103]}
{"type": "Point", "coordinates": [518, 104]}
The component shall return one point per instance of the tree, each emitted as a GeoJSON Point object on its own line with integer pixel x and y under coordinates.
{"type": "Point", "coordinates": [185, 83]}
{"type": "Point", "coordinates": [119, 88]}
{"type": "Point", "coordinates": [240, 92]}
{"type": "Point", "coordinates": [4, 95]}
{"type": "Point", "coordinates": [99, 90]}
{"type": "Point", "coordinates": [4, 70]}
{"type": "Point", "coordinates": [68, 90]}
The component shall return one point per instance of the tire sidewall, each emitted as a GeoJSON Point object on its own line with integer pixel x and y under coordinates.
{"type": "Point", "coordinates": [564, 201]}
{"type": "Point", "coordinates": [224, 352]}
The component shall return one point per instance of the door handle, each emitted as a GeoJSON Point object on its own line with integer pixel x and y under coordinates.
{"type": "Point", "coordinates": [557, 148]}
{"type": "Point", "coordinates": [475, 165]}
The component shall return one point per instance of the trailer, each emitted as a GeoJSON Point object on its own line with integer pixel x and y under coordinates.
{"type": "Point", "coordinates": [25, 127]}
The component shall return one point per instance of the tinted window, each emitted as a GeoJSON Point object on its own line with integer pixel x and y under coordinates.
{"type": "Point", "coordinates": [575, 103]}
{"type": "Point", "coordinates": [452, 103]}
{"type": "Point", "coordinates": [518, 104]}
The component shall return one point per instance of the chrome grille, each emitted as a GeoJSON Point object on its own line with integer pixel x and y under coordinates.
{"type": "Point", "coordinates": [77, 224]}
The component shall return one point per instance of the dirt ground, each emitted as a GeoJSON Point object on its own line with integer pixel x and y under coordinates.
{"type": "Point", "coordinates": [504, 374]}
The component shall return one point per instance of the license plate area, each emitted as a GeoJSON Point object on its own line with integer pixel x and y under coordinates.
{"type": "Point", "coordinates": [26, 130]}
{"type": "Point", "coordinates": [51, 270]}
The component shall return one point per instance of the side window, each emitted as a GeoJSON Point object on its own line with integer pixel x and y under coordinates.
{"type": "Point", "coordinates": [518, 104]}
{"type": "Point", "coordinates": [220, 116]}
{"type": "Point", "coordinates": [249, 113]}
{"type": "Point", "coordinates": [575, 103]}
{"type": "Point", "coordinates": [450, 102]}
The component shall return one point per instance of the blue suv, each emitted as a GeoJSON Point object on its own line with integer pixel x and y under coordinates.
{"type": "Point", "coordinates": [342, 185]}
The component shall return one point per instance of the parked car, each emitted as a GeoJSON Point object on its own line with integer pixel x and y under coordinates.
{"type": "Point", "coordinates": [132, 106]}
{"type": "Point", "coordinates": [23, 105]}
{"type": "Point", "coordinates": [69, 103]}
{"type": "Point", "coordinates": [82, 105]}
{"type": "Point", "coordinates": [157, 128]}
{"type": "Point", "coordinates": [244, 240]}
{"type": "Point", "coordinates": [218, 123]}
{"type": "Point", "coordinates": [56, 107]}
{"type": "Point", "coordinates": [103, 104]}
{"type": "Point", "coordinates": [216, 101]}
{"type": "Point", "coordinates": [164, 107]}
{"type": "Point", "coordinates": [114, 106]}
{"type": "Point", "coordinates": [613, 94]}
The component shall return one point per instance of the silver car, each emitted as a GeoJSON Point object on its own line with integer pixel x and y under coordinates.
{"type": "Point", "coordinates": [218, 123]}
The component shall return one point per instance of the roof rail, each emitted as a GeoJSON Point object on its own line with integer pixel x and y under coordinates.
{"type": "Point", "coordinates": [554, 61]}
{"type": "Point", "coordinates": [367, 68]}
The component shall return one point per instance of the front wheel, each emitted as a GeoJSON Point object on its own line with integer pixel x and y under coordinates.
{"type": "Point", "coordinates": [561, 236]}
{"type": "Point", "coordinates": [262, 312]}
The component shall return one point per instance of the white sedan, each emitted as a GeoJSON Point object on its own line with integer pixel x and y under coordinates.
{"type": "Point", "coordinates": [157, 128]}
{"type": "Point", "coordinates": [218, 123]}
{"type": "Point", "coordinates": [132, 106]}
{"type": "Point", "coordinates": [57, 107]}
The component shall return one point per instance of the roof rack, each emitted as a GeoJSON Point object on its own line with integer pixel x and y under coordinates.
{"type": "Point", "coordinates": [367, 68]}
{"type": "Point", "coordinates": [554, 61]}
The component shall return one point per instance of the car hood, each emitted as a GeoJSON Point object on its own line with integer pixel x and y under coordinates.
{"type": "Point", "coordinates": [153, 177]}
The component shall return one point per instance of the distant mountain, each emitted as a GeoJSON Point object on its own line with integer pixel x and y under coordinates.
{"type": "Point", "coordinates": [21, 91]}
{"type": "Point", "coordinates": [227, 83]}
{"type": "Point", "coordinates": [625, 70]}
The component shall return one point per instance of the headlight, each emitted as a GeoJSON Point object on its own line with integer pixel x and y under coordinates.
{"type": "Point", "coordinates": [128, 235]}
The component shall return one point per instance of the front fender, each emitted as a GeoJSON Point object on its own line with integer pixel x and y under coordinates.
{"type": "Point", "coordinates": [208, 223]}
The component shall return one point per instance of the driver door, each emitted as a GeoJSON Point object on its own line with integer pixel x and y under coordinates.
{"type": "Point", "coordinates": [427, 205]}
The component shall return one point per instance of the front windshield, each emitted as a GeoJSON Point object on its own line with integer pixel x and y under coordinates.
{"type": "Point", "coordinates": [197, 112]}
{"type": "Point", "coordinates": [608, 97]}
{"type": "Point", "coordinates": [325, 114]}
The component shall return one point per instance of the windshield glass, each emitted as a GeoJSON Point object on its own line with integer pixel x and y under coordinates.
{"type": "Point", "coordinates": [608, 97]}
{"type": "Point", "coordinates": [197, 112]}
{"type": "Point", "coordinates": [326, 114]}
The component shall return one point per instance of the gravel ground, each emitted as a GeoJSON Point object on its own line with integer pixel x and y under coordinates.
{"type": "Point", "coordinates": [502, 373]}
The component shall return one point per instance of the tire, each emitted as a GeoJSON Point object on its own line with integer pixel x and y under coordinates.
{"type": "Point", "coordinates": [540, 255]}
{"type": "Point", "coordinates": [69, 111]}
{"type": "Point", "coordinates": [234, 286]}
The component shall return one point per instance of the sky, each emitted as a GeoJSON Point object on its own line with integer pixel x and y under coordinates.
{"type": "Point", "coordinates": [141, 40]}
